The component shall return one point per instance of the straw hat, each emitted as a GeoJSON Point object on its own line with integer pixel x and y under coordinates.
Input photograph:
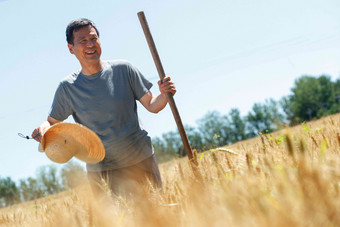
{"type": "Point", "coordinates": [62, 141]}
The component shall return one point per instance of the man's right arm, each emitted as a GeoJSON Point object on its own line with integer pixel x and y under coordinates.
{"type": "Point", "coordinates": [40, 130]}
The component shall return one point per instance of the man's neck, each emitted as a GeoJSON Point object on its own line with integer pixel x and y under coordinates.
{"type": "Point", "coordinates": [91, 69]}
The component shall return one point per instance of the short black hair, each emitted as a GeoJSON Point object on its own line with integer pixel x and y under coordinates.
{"type": "Point", "coordinates": [75, 25]}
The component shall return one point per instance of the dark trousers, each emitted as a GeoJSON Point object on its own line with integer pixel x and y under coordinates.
{"type": "Point", "coordinates": [126, 181]}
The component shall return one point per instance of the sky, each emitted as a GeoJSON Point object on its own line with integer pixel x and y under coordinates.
{"type": "Point", "coordinates": [220, 54]}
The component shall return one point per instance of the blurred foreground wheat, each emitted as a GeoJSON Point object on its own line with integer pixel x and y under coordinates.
{"type": "Point", "coordinates": [288, 178]}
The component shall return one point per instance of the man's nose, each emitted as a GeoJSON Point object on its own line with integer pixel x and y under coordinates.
{"type": "Point", "coordinates": [90, 43]}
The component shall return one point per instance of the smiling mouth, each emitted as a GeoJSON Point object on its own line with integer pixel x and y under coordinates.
{"type": "Point", "coordinates": [90, 52]}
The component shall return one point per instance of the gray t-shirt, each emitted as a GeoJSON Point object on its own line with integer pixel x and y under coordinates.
{"type": "Point", "coordinates": [106, 103]}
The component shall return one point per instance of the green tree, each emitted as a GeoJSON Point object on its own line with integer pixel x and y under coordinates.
{"type": "Point", "coordinates": [161, 152]}
{"type": "Point", "coordinates": [286, 106]}
{"type": "Point", "coordinates": [313, 98]}
{"type": "Point", "coordinates": [173, 143]}
{"type": "Point", "coordinates": [30, 189]}
{"type": "Point", "coordinates": [337, 91]}
{"type": "Point", "coordinates": [264, 118]}
{"type": "Point", "coordinates": [238, 126]}
{"type": "Point", "coordinates": [48, 179]}
{"type": "Point", "coordinates": [327, 98]}
{"type": "Point", "coordinates": [215, 129]}
{"type": "Point", "coordinates": [194, 137]}
{"type": "Point", "coordinates": [335, 108]}
{"type": "Point", "coordinates": [9, 193]}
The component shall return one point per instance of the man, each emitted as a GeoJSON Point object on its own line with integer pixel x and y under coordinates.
{"type": "Point", "coordinates": [102, 96]}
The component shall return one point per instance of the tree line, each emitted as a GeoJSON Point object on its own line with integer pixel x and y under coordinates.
{"type": "Point", "coordinates": [48, 181]}
{"type": "Point", "coordinates": [311, 98]}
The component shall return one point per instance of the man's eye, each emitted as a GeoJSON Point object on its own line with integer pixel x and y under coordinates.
{"type": "Point", "coordinates": [83, 41]}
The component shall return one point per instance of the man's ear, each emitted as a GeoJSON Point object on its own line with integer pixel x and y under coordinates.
{"type": "Point", "coordinates": [70, 48]}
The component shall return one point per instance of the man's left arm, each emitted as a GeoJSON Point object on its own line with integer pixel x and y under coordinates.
{"type": "Point", "coordinates": [155, 104]}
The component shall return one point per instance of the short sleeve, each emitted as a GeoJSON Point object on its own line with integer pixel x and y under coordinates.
{"type": "Point", "coordinates": [139, 84]}
{"type": "Point", "coordinates": [60, 109]}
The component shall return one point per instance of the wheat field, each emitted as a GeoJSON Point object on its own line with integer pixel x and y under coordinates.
{"type": "Point", "coordinates": [287, 178]}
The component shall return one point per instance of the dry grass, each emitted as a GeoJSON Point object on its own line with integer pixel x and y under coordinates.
{"type": "Point", "coordinates": [288, 178]}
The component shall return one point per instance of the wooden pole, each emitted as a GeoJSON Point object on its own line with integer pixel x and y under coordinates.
{"type": "Point", "coordinates": [161, 74]}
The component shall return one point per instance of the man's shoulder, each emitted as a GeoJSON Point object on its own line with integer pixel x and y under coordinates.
{"type": "Point", "coordinates": [119, 62]}
{"type": "Point", "coordinates": [71, 78]}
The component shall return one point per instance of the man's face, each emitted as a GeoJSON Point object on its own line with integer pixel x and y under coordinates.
{"type": "Point", "coordinates": [86, 45]}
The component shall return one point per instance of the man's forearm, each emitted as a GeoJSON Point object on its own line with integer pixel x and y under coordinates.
{"type": "Point", "coordinates": [157, 103]}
